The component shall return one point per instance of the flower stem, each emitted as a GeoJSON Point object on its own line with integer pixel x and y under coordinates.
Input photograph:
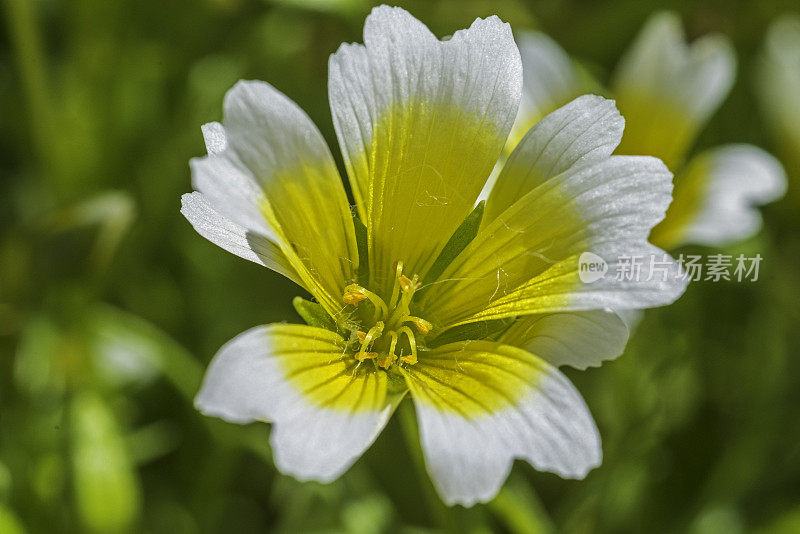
{"type": "Point", "coordinates": [518, 507]}
{"type": "Point", "coordinates": [408, 421]}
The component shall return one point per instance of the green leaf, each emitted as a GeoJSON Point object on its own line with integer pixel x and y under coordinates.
{"type": "Point", "coordinates": [363, 250]}
{"type": "Point", "coordinates": [314, 314]}
{"type": "Point", "coordinates": [462, 237]}
{"type": "Point", "coordinates": [107, 490]}
{"type": "Point", "coordinates": [129, 349]}
{"type": "Point", "coordinates": [479, 330]}
{"type": "Point", "coordinates": [9, 522]}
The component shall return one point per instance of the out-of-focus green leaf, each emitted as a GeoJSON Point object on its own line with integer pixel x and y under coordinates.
{"type": "Point", "coordinates": [107, 491]}
{"type": "Point", "coordinates": [5, 482]}
{"type": "Point", "coordinates": [786, 523]}
{"type": "Point", "coordinates": [9, 522]}
{"type": "Point", "coordinates": [718, 520]}
{"type": "Point", "coordinates": [127, 348]}
{"type": "Point", "coordinates": [39, 360]}
{"type": "Point", "coordinates": [369, 515]}
{"type": "Point", "coordinates": [152, 441]}
{"type": "Point", "coordinates": [49, 477]}
{"type": "Point", "coordinates": [112, 212]}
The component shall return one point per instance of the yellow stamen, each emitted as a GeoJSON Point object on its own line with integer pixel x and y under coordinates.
{"type": "Point", "coordinates": [386, 360]}
{"type": "Point", "coordinates": [370, 336]}
{"type": "Point", "coordinates": [353, 297]}
{"type": "Point", "coordinates": [398, 272]}
{"type": "Point", "coordinates": [402, 307]}
{"type": "Point", "coordinates": [406, 283]}
{"type": "Point", "coordinates": [393, 344]}
{"type": "Point", "coordinates": [361, 335]}
{"type": "Point", "coordinates": [422, 325]}
{"type": "Point", "coordinates": [354, 293]}
{"type": "Point", "coordinates": [409, 358]}
{"type": "Point", "coordinates": [362, 356]}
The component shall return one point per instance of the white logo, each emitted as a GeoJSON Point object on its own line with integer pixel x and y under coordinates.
{"type": "Point", "coordinates": [591, 267]}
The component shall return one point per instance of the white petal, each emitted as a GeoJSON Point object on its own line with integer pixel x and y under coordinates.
{"type": "Point", "coordinates": [550, 79]}
{"type": "Point", "coordinates": [234, 238]}
{"type": "Point", "coordinates": [214, 137]}
{"type": "Point", "coordinates": [631, 318]}
{"type": "Point", "coordinates": [421, 123]}
{"type": "Point", "coordinates": [313, 438]}
{"type": "Point", "coordinates": [469, 446]}
{"type": "Point", "coordinates": [740, 177]}
{"type": "Point", "coordinates": [303, 195]}
{"type": "Point", "coordinates": [585, 131]}
{"type": "Point", "coordinates": [667, 90]}
{"type": "Point", "coordinates": [231, 190]}
{"type": "Point", "coordinates": [578, 339]}
{"type": "Point", "coordinates": [696, 77]}
{"type": "Point", "coordinates": [270, 133]}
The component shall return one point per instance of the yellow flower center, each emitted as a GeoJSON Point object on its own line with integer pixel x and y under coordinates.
{"type": "Point", "coordinates": [385, 337]}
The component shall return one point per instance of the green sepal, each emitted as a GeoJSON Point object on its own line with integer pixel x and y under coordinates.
{"type": "Point", "coordinates": [462, 237]}
{"type": "Point", "coordinates": [363, 251]}
{"type": "Point", "coordinates": [479, 330]}
{"type": "Point", "coordinates": [314, 314]}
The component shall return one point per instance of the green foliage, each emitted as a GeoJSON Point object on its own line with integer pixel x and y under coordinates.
{"type": "Point", "coordinates": [111, 305]}
{"type": "Point", "coordinates": [313, 314]}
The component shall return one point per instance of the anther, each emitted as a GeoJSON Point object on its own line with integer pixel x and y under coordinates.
{"type": "Point", "coordinates": [386, 360]}
{"type": "Point", "coordinates": [423, 326]}
{"type": "Point", "coordinates": [405, 283]}
{"type": "Point", "coordinates": [362, 356]}
{"type": "Point", "coordinates": [410, 359]}
{"type": "Point", "coordinates": [353, 297]}
{"type": "Point", "coordinates": [354, 293]}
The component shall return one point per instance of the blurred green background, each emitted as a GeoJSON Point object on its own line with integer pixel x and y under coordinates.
{"type": "Point", "coordinates": [111, 305]}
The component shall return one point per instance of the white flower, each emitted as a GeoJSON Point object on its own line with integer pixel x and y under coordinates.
{"type": "Point", "coordinates": [420, 293]}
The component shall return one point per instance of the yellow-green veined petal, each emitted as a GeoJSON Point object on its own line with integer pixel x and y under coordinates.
{"type": "Point", "coordinates": [666, 89]}
{"type": "Point", "coordinates": [421, 123]}
{"type": "Point", "coordinates": [583, 132]}
{"type": "Point", "coordinates": [528, 259]}
{"type": "Point", "coordinates": [578, 339]}
{"type": "Point", "coordinates": [481, 404]}
{"type": "Point", "coordinates": [306, 201]}
{"type": "Point", "coordinates": [235, 238]}
{"type": "Point", "coordinates": [326, 409]}
{"type": "Point", "coordinates": [276, 177]}
{"type": "Point", "coordinates": [716, 194]}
